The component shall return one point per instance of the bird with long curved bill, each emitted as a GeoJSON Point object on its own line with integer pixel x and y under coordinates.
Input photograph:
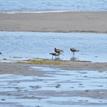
{"type": "Point", "coordinates": [73, 50]}
{"type": "Point", "coordinates": [58, 50]}
{"type": "Point", "coordinates": [54, 54]}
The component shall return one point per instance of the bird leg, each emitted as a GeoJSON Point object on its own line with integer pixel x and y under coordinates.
{"type": "Point", "coordinates": [73, 54]}
{"type": "Point", "coordinates": [52, 57]}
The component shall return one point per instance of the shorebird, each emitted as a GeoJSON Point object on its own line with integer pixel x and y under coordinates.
{"type": "Point", "coordinates": [0, 53]}
{"type": "Point", "coordinates": [73, 50]}
{"type": "Point", "coordinates": [58, 50]}
{"type": "Point", "coordinates": [54, 54]}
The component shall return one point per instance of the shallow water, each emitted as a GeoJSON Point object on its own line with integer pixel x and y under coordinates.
{"type": "Point", "coordinates": [22, 45]}
{"type": "Point", "coordinates": [53, 5]}
{"type": "Point", "coordinates": [61, 88]}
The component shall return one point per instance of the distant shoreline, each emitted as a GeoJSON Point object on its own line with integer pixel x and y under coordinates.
{"type": "Point", "coordinates": [54, 22]}
{"type": "Point", "coordinates": [50, 11]}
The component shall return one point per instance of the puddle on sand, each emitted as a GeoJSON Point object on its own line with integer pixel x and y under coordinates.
{"type": "Point", "coordinates": [63, 88]}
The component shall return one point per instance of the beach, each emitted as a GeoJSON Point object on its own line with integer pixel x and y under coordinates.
{"type": "Point", "coordinates": [54, 22]}
{"type": "Point", "coordinates": [33, 74]}
{"type": "Point", "coordinates": [42, 82]}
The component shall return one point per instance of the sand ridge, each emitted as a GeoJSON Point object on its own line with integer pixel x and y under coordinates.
{"type": "Point", "coordinates": [55, 22]}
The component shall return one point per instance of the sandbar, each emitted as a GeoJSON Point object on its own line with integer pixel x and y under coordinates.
{"type": "Point", "coordinates": [54, 22]}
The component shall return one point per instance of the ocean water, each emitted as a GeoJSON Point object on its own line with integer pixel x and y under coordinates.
{"type": "Point", "coordinates": [52, 5]}
{"type": "Point", "coordinates": [25, 45]}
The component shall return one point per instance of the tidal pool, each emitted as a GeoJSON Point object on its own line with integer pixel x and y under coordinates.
{"type": "Point", "coordinates": [25, 45]}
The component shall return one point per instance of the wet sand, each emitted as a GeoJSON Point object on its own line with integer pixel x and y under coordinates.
{"type": "Point", "coordinates": [18, 69]}
{"type": "Point", "coordinates": [30, 85]}
{"type": "Point", "coordinates": [55, 22]}
{"type": "Point", "coordinates": [24, 69]}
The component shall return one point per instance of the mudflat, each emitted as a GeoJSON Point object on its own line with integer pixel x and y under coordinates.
{"type": "Point", "coordinates": [25, 69]}
{"type": "Point", "coordinates": [18, 69]}
{"type": "Point", "coordinates": [24, 84]}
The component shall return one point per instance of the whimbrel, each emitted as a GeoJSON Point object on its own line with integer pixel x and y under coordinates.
{"type": "Point", "coordinates": [73, 50]}
{"type": "Point", "coordinates": [58, 50]}
{"type": "Point", "coordinates": [54, 54]}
